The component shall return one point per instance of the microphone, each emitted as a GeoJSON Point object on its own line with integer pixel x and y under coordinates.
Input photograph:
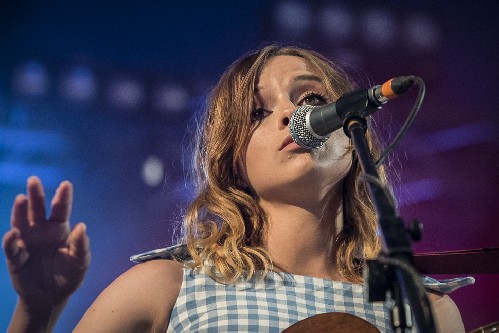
{"type": "Point", "coordinates": [310, 126]}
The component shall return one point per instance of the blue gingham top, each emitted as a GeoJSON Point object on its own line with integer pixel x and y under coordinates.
{"type": "Point", "coordinates": [273, 304]}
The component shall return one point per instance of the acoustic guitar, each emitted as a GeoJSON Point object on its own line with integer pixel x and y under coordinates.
{"type": "Point", "coordinates": [332, 322]}
{"type": "Point", "coordinates": [347, 323]}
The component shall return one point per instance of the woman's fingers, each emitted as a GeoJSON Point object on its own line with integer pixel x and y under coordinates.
{"type": "Point", "coordinates": [62, 203]}
{"type": "Point", "coordinates": [79, 245]}
{"type": "Point", "coordinates": [14, 251]}
{"type": "Point", "coordinates": [60, 207]}
{"type": "Point", "coordinates": [19, 216]}
{"type": "Point", "coordinates": [31, 230]}
{"type": "Point", "coordinates": [36, 201]}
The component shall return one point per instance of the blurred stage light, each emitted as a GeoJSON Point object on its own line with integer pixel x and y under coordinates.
{"type": "Point", "coordinates": [153, 171]}
{"type": "Point", "coordinates": [15, 173]}
{"type": "Point", "coordinates": [378, 28]}
{"type": "Point", "coordinates": [31, 79]}
{"type": "Point", "coordinates": [336, 22]}
{"type": "Point", "coordinates": [79, 84]}
{"type": "Point", "coordinates": [461, 136]}
{"type": "Point", "coordinates": [170, 99]}
{"type": "Point", "coordinates": [30, 142]}
{"type": "Point", "coordinates": [422, 34]}
{"type": "Point", "coordinates": [292, 17]}
{"type": "Point", "coordinates": [418, 191]}
{"type": "Point", "coordinates": [126, 93]}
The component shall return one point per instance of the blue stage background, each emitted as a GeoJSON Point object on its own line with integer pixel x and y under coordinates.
{"type": "Point", "coordinates": [106, 95]}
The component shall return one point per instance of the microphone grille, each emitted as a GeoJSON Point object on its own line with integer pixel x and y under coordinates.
{"type": "Point", "coordinates": [301, 133]}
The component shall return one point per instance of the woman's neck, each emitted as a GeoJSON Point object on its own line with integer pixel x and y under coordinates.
{"type": "Point", "coordinates": [300, 239]}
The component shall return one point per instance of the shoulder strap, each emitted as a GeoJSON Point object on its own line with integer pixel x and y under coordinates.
{"type": "Point", "coordinates": [176, 252]}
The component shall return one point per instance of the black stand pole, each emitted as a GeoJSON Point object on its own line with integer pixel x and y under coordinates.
{"type": "Point", "coordinates": [392, 272]}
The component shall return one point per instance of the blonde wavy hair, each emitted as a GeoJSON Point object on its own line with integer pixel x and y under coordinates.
{"type": "Point", "coordinates": [224, 227]}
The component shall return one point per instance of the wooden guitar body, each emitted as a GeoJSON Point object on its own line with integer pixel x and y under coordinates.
{"type": "Point", "coordinates": [332, 322]}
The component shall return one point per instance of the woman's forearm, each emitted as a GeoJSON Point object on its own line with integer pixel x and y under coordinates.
{"type": "Point", "coordinates": [34, 319]}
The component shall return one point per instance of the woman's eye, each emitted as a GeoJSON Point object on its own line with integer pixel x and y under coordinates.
{"type": "Point", "coordinates": [313, 99]}
{"type": "Point", "coordinates": [259, 114]}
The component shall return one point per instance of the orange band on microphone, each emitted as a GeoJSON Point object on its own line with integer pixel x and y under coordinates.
{"type": "Point", "coordinates": [387, 91]}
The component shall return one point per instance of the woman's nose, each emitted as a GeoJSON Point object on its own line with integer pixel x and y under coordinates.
{"type": "Point", "coordinates": [286, 114]}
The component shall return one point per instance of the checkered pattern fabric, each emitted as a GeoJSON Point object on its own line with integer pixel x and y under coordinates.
{"type": "Point", "coordinates": [447, 286]}
{"type": "Point", "coordinates": [272, 305]}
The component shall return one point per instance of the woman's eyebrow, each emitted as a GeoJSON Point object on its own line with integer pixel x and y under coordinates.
{"type": "Point", "coordinates": [307, 77]}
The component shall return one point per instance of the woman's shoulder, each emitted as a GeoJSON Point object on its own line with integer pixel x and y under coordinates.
{"type": "Point", "coordinates": [142, 298]}
{"type": "Point", "coordinates": [159, 279]}
{"type": "Point", "coordinates": [159, 270]}
{"type": "Point", "coordinates": [446, 313]}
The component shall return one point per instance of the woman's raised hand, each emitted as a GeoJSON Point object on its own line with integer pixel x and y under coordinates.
{"type": "Point", "coordinates": [46, 260]}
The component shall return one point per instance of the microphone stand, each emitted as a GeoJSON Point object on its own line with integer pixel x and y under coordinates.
{"type": "Point", "coordinates": [392, 272]}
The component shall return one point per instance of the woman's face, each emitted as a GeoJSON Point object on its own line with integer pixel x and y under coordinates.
{"type": "Point", "coordinates": [275, 167]}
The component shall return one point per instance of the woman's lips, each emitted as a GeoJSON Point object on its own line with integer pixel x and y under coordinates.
{"type": "Point", "coordinates": [289, 144]}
